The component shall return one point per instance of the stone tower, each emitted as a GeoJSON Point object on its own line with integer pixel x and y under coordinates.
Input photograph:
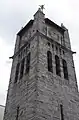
{"type": "Point", "coordinates": [43, 83]}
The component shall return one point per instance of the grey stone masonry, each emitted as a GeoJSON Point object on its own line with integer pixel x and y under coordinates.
{"type": "Point", "coordinates": [40, 94]}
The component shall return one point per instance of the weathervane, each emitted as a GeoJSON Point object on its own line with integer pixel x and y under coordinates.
{"type": "Point", "coordinates": [42, 7]}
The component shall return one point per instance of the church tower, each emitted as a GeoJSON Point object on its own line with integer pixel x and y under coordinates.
{"type": "Point", "coordinates": [43, 83]}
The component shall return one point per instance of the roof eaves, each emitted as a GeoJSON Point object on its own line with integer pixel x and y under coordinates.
{"type": "Point", "coordinates": [49, 22]}
{"type": "Point", "coordinates": [30, 23]}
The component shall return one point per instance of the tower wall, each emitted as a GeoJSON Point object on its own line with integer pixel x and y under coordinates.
{"type": "Point", "coordinates": [23, 93]}
{"type": "Point", "coordinates": [39, 93]}
{"type": "Point", "coordinates": [54, 90]}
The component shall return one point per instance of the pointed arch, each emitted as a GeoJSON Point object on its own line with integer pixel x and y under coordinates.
{"type": "Point", "coordinates": [49, 61]}
{"type": "Point", "coordinates": [57, 62]}
{"type": "Point", "coordinates": [22, 68]}
{"type": "Point", "coordinates": [65, 71]}
{"type": "Point", "coordinates": [28, 63]}
{"type": "Point", "coordinates": [61, 111]}
{"type": "Point", "coordinates": [17, 72]}
{"type": "Point", "coordinates": [17, 113]}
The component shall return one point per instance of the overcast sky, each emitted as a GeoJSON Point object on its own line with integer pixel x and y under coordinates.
{"type": "Point", "coordinates": [14, 14]}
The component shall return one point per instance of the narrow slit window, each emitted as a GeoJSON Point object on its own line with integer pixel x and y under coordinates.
{"type": "Point", "coordinates": [20, 37]}
{"type": "Point", "coordinates": [61, 110]}
{"type": "Point", "coordinates": [17, 115]}
{"type": "Point", "coordinates": [17, 72]}
{"type": "Point", "coordinates": [48, 44]}
{"type": "Point", "coordinates": [57, 62]}
{"type": "Point", "coordinates": [22, 68]}
{"type": "Point", "coordinates": [28, 63]}
{"type": "Point", "coordinates": [49, 60]}
{"type": "Point", "coordinates": [65, 71]}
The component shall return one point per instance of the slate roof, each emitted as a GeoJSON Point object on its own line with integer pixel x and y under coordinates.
{"type": "Point", "coordinates": [47, 21]}
{"type": "Point", "coordinates": [51, 23]}
{"type": "Point", "coordinates": [26, 27]}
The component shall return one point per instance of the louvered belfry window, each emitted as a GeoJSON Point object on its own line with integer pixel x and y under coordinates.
{"type": "Point", "coordinates": [22, 68]}
{"type": "Point", "coordinates": [61, 110]}
{"type": "Point", "coordinates": [57, 62]}
{"type": "Point", "coordinates": [17, 72]}
{"type": "Point", "coordinates": [65, 71]}
{"type": "Point", "coordinates": [49, 61]}
{"type": "Point", "coordinates": [28, 63]}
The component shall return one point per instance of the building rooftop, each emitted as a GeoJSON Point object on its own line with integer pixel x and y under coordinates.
{"type": "Point", "coordinates": [47, 21]}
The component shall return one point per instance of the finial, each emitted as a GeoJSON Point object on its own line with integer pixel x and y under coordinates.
{"type": "Point", "coordinates": [42, 7]}
{"type": "Point", "coordinates": [63, 26]}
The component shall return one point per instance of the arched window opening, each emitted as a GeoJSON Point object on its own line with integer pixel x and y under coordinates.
{"type": "Point", "coordinates": [17, 113]}
{"type": "Point", "coordinates": [63, 52]}
{"type": "Point", "coordinates": [60, 51]}
{"type": "Point", "coordinates": [57, 62]}
{"type": "Point", "coordinates": [65, 71]}
{"type": "Point", "coordinates": [48, 44]}
{"type": "Point", "coordinates": [49, 60]}
{"type": "Point", "coordinates": [61, 111]}
{"type": "Point", "coordinates": [17, 72]}
{"type": "Point", "coordinates": [22, 68]}
{"type": "Point", "coordinates": [28, 63]}
{"type": "Point", "coordinates": [56, 49]}
{"type": "Point", "coordinates": [20, 37]}
{"type": "Point", "coordinates": [52, 46]}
